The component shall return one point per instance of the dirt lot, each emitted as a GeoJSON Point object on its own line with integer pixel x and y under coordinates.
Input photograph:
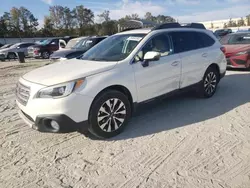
{"type": "Point", "coordinates": [183, 142]}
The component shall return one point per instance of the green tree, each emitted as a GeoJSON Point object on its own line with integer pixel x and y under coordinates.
{"type": "Point", "coordinates": [48, 27]}
{"type": "Point", "coordinates": [232, 23]}
{"type": "Point", "coordinates": [84, 18]}
{"type": "Point", "coordinates": [104, 17]}
{"type": "Point", "coordinates": [28, 23]}
{"type": "Point", "coordinates": [241, 22]}
{"type": "Point", "coordinates": [15, 21]}
{"type": "Point", "coordinates": [148, 16]}
{"type": "Point", "coordinates": [248, 20]}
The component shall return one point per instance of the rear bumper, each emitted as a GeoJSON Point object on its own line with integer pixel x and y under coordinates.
{"type": "Point", "coordinates": [43, 123]}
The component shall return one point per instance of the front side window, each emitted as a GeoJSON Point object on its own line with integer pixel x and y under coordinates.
{"type": "Point", "coordinates": [159, 43]}
{"type": "Point", "coordinates": [113, 48]}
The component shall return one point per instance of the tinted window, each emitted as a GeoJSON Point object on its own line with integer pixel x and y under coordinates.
{"type": "Point", "coordinates": [184, 41]}
{"type": "Point", "coordinates": [204, 40]}
{"type": "Point", "coordinates": [188, 40]}
{"type": "Point", "coordinates": [26, 45]}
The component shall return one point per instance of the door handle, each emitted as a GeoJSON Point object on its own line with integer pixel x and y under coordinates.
{"type": "Point", "coordinates": [204, 55]}
{"type": "Point", "coordinates": [175, 63]}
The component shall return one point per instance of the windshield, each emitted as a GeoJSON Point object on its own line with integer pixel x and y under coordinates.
{"type": "Point", "coordinates": [237, 39]}
{"type": "Point", "coordinates": [72, 43]}
{"type": "Point", "coordinates": [114, 48]}
{"type": "Point", "coordinates": [15, 45]}
{"type": "Point", "coordinates": [45, 42]}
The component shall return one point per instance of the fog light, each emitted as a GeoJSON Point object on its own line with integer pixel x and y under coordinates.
{"type": "Point", "coordinates": [55, 125]}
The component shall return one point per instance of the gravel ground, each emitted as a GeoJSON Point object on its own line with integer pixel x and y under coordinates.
{"type": "Point", "coordinates": [182, 142]}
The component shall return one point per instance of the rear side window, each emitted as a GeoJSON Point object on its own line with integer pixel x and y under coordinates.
{"type": "Point", "coordinates": [183, 41]}
{"type": "Point", "coordinates": [187, 40]}
{"type": "Point", "coordinates": [204, 40]}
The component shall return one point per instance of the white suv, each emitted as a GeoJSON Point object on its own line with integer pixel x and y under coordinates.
{"type": "Point", "coordinates": [102, 88]}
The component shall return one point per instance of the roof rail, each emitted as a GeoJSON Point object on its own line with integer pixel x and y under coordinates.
{"type": "Point", "coordinates": [177, 25]}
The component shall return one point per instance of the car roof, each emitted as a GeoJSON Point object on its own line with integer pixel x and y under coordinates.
{"type": "Point", "coordinates": [137, 31]}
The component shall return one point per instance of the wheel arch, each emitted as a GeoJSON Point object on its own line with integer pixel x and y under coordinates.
{"type": "Point", "coordinates": [216, 67]}
{"type": "Point", "coordinates": [119, 88]}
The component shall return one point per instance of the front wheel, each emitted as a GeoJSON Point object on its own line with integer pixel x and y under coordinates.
{"type": "Point", "coordinates": [209, 83]}
{"type": "Point", "coordinates": [109, 114]}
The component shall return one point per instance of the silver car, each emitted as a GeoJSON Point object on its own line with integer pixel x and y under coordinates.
{"type": "Point", "coordinates": [11, 52]}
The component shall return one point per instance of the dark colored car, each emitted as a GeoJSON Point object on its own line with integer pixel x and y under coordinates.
{"type": "Point", "coordinates": [237, 50]}
{"type": "Point", "coordinates": [47, 47]}
{"type": "Point", "coordinates": [222, 32]}
{"type": "Point", "coordinates": [82, 45]}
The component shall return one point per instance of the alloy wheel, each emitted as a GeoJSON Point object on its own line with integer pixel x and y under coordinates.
{"type": "Point", "coordinates": [111, 115]}
{"type": "Point", "coordinates": [210, 83]}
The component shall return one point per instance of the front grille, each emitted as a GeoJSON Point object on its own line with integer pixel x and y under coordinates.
{"type": "Point", "coordinates": [240, 62]}
{"type": "Point", "coordinates": [229, 62]}
{"type": "Point", "coordinates": [22, 93]}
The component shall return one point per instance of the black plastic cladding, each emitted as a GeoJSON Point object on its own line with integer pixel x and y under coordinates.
{"type": "Point", "coordinates": [177, 25]}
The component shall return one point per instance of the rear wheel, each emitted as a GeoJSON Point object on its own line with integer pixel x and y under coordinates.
{"type": "Point", "coordinates": [209, 83]}
{"type": "Point", "coordinates": [45, 55]}
{"type": "Point", "coordinates": [109, 114]}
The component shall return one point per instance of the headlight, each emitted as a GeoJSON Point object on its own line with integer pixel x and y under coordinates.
{"type": "Point", "coordinates": [61, 90]}
{"type": "Point", "coordinates": [242, 53]}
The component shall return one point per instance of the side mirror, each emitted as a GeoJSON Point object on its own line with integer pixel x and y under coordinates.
{"type": "Point", "coordinates": [18, 47]}
{"type": "Point", "coordinates": [152, 56]}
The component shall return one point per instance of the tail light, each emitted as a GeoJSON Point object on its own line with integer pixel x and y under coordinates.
{"type": "Point", "coordinates": [35, 51]}
{"type": "Point", "coordinates": [223, 49]}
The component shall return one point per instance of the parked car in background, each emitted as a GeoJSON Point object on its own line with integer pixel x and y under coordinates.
{"type": "Point", "coordinates": [83, 44]}
{"type": "Point", "coordinates": [237, 50]}
{"type": "Point", "coordinates": [46, 47]}
{"type": "Point", "coordinates": [11, 52]}
{"type": "Point", "coordinates": [101, 89]}
{"type": "Point", "coordinates": [222, 32]}
{"type": "Point", "coordinates": [243, 31]}
{"type": "Point", "coordinates": [6, 46]}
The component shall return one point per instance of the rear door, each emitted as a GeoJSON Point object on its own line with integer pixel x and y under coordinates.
{"type": "Point", "coordinates": [193, 57]}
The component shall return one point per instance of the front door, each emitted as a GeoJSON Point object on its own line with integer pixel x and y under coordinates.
{"type": "Point", "coordinates": [159, 77]}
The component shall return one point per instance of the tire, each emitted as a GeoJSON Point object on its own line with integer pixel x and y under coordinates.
{"type": "Point", "coordinates": [113, 110]}
{"type": "Point", "coordinates": [209, 83]}
{"type": "Point", "coordinates": [11, 55]}
{"type": "Point", "coordinates": [45, 55]}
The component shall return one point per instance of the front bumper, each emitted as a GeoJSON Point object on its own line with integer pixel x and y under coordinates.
{"type": "Point", "coordinates": [240, 61]}
{"type": "Point", "coordinates": [43, 123]}
{"type": "Point", "coordinates": [70, 111]}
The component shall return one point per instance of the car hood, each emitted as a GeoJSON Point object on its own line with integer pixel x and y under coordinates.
{"type": "Point", "coordinates": [63, 53]}
{"type": "Point", "coordinates": [66, 71]}
{"type": "Point", "coordinates": [4, 50]}
{"type": "Point", "coordinates": [237, 48]}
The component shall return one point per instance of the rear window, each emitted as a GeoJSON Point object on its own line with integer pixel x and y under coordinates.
{"type": "Point", "coordinates": [238, 39]}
